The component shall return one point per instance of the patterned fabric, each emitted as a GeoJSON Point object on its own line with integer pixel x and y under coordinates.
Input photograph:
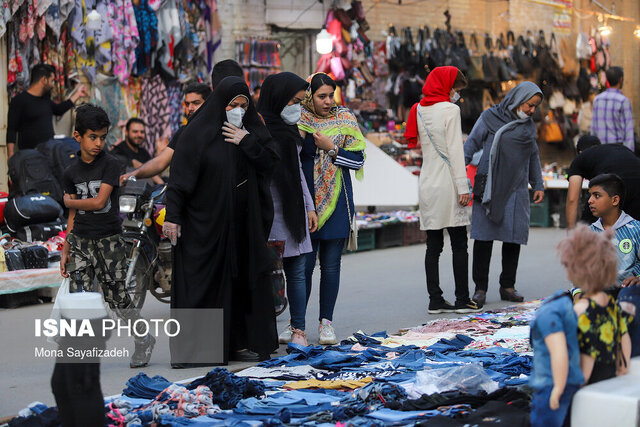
{"type": "Point", "coordinates": [600, 330]}
{"type": "Point", "coordinates": [154, 111]}
{"type": "Point", "coordinates": [104, 258]}
{"type": "Point", "coordinates": [340, 125]}
{"type": "Point", "coordinates": [174, 105]}
{"type": "Point", "coordinates": [627, 243]}
{"type": "Point", "coordinates": [108, 94]}
{"type": "Point", "coordinates": [612, 119]}
{"type": "Point", "coordinates": [125, 38]}
{"type": "Point", "coordinates": [148, 33]}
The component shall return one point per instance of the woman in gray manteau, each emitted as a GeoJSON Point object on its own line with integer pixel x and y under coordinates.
{"type": "Point", "coordinates": [509, 163]}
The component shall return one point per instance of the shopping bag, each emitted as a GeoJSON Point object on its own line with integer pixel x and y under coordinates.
{"type": "Point", "coordinates": [55, 311]}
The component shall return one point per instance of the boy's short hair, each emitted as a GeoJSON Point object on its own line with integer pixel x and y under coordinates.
{"type": "Point", "coordinates": [612, 184]}
{"type": "Point", "coordinates": [587, 141]}
{"type": "Point", "coordinates": [204, 90]}
{"type": "Point", "coordinates": [134, 120]}
{"type": "Point", "coordinates": [614, 75]}
{"type": "Point", "coordinates": [41, 70]}
{"type": "Point", "coordinates": [90, 117]}
{"type": "Point", "coordinates": [590, 258]}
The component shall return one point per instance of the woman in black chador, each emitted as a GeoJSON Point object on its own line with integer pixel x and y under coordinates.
{"type": "Point", "coordinates": [219, 211]}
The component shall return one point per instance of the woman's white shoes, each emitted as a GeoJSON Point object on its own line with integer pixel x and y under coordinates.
{"type": "Point", "coordinates": [327, 334]}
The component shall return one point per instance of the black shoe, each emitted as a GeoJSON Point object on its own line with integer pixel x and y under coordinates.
{"type": "Point", "coordinates": [510, 294]}
{"type": "Point", "coordinates": [437, 307]}
{"type": "Point", "coordinates": [469, 306]}
{"type": "Point", "coordinates": [245, 356]}
{"type": "Point", "coordinates": [480, 297]}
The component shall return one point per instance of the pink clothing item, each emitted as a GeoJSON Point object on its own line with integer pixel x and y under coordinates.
{"type": "Point", "coordinates": [125, 38]}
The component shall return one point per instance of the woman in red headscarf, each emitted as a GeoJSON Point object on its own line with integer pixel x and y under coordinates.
{"type": "Point", "coordinates": [444, 188]}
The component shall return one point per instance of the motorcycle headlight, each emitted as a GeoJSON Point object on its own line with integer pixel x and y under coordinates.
{"type": "Point", "coordinates": [127, 204]}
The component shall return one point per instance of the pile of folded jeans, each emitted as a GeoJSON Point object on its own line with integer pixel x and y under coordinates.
{"type": "Point", "coordinates": [447, 372]}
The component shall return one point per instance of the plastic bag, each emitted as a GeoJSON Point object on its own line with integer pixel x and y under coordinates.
{"type": "Point", "coordinates": [55, 311]}
{"type": "Point", "coordinates": [470, 378]}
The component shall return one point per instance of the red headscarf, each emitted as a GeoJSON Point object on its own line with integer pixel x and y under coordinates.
{"type": "Point", "coordinates": [436, 89]}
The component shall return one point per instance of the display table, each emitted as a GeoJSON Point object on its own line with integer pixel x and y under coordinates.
{"type": "Point", "coordinates": [12, 282]}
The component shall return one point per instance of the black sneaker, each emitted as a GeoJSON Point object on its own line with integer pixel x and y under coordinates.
{"type": "Point", "coordinates": [469, 306]}
{"type": "Point", "coordinates": [437, 307]}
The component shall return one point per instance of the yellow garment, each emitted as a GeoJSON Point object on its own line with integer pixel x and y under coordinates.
{"type": "Point", "coordinates": [331, 384]}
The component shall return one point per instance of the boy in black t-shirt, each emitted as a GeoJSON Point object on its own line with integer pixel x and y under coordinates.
{"type": "Point", "coordinates": [94, 245]}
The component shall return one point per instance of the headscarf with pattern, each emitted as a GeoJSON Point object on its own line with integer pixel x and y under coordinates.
{"type": "Point", "coordinates": [342, 127]}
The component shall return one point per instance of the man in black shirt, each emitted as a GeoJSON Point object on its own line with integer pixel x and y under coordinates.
{"type": "Point", "coordinates": [94, 247]}
{"type": "Point", "coordinates": [194, 96]}
{"type": "Point", "coordinates": [31, 112]}
{"type": "Point", "coordinates": [131, 151]}
{"type": "Point", "coordinates": [594, 159]}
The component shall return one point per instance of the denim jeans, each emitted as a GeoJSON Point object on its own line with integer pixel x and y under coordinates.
{"type": "Point", "coordinates": [330, 254]}
{"type": "Point", "coordinates": [294, 271]}
{"type": "Point", "coordinates": [541, 413]}
{"type": "Point", "coordinates": [632, 294]}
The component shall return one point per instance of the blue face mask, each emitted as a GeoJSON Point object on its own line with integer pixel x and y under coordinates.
{"type": "Point", "coordinates": [291, 114]}
{"type": "Point", "coordinates": [522, 115]}
{"type": "Point", "coordinates": [455, 97]}
{"type": "Point", "coordinates": [235, 116]}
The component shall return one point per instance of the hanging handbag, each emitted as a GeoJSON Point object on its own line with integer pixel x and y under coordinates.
{"type": "Point", "coordinates": [352, 242]}
{"type": "Point", "coordinates": [550, 131]}
{"type": "Point", "coordinates": [475, 66]}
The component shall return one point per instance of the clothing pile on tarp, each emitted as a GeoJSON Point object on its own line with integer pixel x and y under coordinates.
{"type": "Point", "coordinates": [445, 372]}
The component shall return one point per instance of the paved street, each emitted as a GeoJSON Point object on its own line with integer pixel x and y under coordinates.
{"type": "Point", "coordinates": [380, 290]}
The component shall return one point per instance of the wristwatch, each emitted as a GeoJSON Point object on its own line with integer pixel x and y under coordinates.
{"type": "Point", "coordinates": [334, 151]}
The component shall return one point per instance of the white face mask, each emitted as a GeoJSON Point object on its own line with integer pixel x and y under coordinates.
{"type": "Point", "coordinates": [522, 115]}
{"type": "Point", "coordinates": [235, 116]}
{"type": "Point", "coordinates": [455, 97]}
{"type": "Point", "coordinates": [291, 114]}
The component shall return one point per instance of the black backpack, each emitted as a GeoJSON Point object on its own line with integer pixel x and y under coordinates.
{"type": "Point", "coordinates": [60, 153]}
{"type": "Point", "coordinates": [30, 173]}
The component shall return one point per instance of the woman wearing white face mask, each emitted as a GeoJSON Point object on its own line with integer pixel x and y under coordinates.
{"type": "Point", "coordinates": [444, 189]}
{"type": "Point", "coordinates": [219, 215]}
{"type": "Point", "coordinates": [509, 163]}
{"type": "Point", "coordinates": [294, 211]}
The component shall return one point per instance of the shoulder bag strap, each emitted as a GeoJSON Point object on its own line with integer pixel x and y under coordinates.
{"type": "Point", "coordinates": [440, 153]}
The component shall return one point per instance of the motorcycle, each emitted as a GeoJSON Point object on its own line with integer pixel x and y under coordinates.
{"type": "Point", "coordinates": [149, 261]}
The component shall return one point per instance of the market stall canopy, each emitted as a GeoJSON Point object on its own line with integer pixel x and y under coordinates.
{"type": "Point", "coordinates": [385, 183]}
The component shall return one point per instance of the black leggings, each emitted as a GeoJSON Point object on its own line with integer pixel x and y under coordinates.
{"type": "Point", "coordinates": [435, 243]}
{"type": "Point", "coordinates": [482, 259]}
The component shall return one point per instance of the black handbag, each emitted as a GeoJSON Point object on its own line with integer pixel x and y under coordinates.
{"type": "Point", "coordinates": [479, 185]}
{"type": "Point", "coordinates": [13, 258]}
{"type": "Point", "coordinates": [35, 257]}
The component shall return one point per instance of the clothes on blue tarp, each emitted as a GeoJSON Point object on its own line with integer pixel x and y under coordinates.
{"type": "Point", "coordinates": [228, 389]}
{"type": "Point", "coordinates": [494, 413]}
{"type": "Point", "coordinates": [456, 397]}
{"type": "Point", "coordinates": [46, 418]}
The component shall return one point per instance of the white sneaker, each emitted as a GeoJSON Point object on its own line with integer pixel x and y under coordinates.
{"type": "Point", "coordinates": [327, 334]}
{"type": "Point", "coordinates": [285, 336]}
